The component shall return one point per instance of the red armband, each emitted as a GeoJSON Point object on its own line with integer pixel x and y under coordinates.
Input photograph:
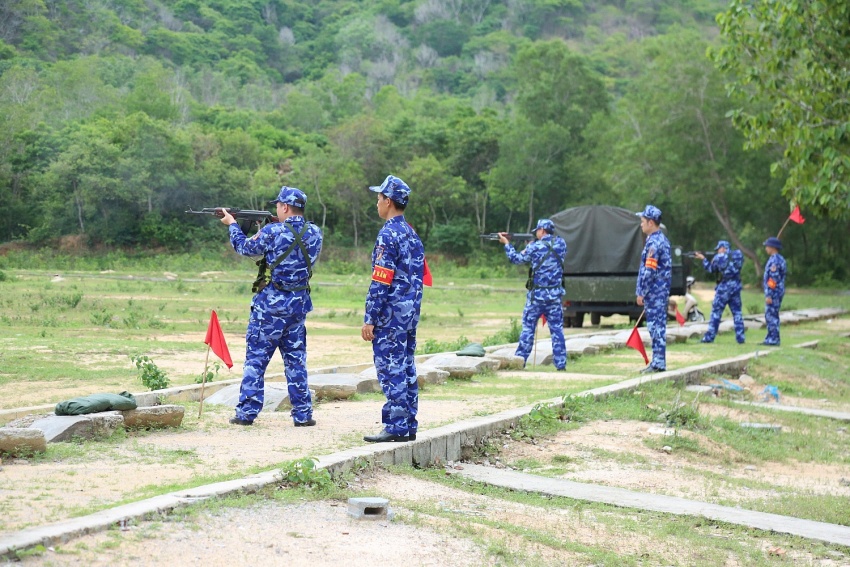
{"type": "Point", "coordinates": [770, 283]}
{"type": "Point", "coordinates": [382, 275]}
{"type": "Point", "coordinates": [652, 263]}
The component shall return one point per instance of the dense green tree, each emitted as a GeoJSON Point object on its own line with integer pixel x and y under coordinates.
{"type": "Point", "coordinates": [789, 66]}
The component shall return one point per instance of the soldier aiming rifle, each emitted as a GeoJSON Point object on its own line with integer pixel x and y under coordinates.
{"type": "Point", "coordinates": [247, 219]}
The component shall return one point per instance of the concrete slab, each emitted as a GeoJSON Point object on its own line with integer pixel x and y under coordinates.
{"type": "Point", "coordinates": [99, 425]}
{"type": "Point", "coordinates": [581, 346]}
{"type": "Point", "coordinates": [277, 396]}
{"type": "Point", "coordinates": [426, 375]}
{"type": "Point", "coordinates": [463, 367]}
{"type": "Point", "coordinates": [154, 417]}
{"type": "Point", "coordinates": [336, 386]}
{"type": "Point", "coordinates": [21, 441]}
{"type": "Point", "coordinates": [837, 415]}
{"type": "Point", "coordinates": [830, 533]}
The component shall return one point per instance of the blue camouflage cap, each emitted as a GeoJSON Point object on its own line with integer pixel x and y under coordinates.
{"type": "Point", "coordinates": [773, 242]}
{"type": "Point", "coordinates": [723, 244]}
{"type": "Point", "coordinates": [393, 188]}
{"type": "Point", "coordinates": [651, 212]}
{"type": "Point", "coordinates": [546, 225]}
{"type": "Point", "coordinates": [290, 196]}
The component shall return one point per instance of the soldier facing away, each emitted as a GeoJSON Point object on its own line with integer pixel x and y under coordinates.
{"type": "Point", "coordinates": [726, 265]}
{"type": "Point", "coordinates": [546, 257]}
{"type": "Point", "coordinates": [278, 311]}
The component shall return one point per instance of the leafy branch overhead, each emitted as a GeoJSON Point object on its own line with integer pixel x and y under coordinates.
{"type": "Point", "coordinates": [789, 73]}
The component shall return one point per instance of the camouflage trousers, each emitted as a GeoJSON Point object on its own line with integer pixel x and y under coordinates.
{"type": "Point", "coordinates": [263, 338]}
{"type": "Point", "coordinates": [771, 318]}
{"type": "Point", "coordinates": [656, 322]}
{"type": "Point", "coordinates": [554, 318]}
{"type": "Point", "coordinates": [724, 296]}
{"type": "Point", "coordinates": [393, 351]}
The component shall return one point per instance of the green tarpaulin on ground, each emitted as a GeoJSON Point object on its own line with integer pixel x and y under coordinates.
{"type": "Point", "coordinates": [472, 349]}
{"type": "Point", "coordinates": [96, 403]}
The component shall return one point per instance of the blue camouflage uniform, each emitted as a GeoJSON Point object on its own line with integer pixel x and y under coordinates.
{"type": "Point", "coordinates": [726, 292]}
{"type": "Point", "coordinates": [278, 311]}
{"type": "Point", "coordinates": [774, 288]}
{"type": "Point", "coordinates": [392, 306]}
{"type": "Point", "coordinates": [546, 258]}
{"type": "Point", "coordinates": [653, 284]}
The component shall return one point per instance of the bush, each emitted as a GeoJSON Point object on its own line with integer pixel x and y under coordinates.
{"type": "Point", "coordinates": [151, 376]}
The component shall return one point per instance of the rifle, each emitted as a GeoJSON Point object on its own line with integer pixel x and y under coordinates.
{"type": "Point", "coordinates": [510, 236]}
{"type": "Point", "coordinates": [693, 254]}
{"type": "Point", "coordinates": [249, 218]}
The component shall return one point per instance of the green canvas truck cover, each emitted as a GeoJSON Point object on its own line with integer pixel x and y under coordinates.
{"type": "Point", "coordinates": [600, 239]}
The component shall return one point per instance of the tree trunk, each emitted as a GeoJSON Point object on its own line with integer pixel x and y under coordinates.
{"type": "Point", "coordinates": [722, 212]}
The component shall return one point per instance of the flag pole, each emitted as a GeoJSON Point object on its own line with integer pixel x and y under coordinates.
{"type": "Point", "coordinates": [204, 382]}
{"type": "Point", "coordinates": [783, 227]}
{"type": "Point", "coordinates": [536, 326]}
{"type": "Point", "coordinates": [640, 317]}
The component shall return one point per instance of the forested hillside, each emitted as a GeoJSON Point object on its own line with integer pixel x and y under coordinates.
{"type": "Point", "coordinates": [117, 115]}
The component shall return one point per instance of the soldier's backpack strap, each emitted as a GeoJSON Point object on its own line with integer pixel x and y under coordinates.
{"type": "Point", "coordinates": [529, 284]}
{"type": "Point", "coordinates": [297, 241]}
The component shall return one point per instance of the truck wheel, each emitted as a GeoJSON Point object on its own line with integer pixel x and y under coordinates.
{"type": "Point", "coordinates": [595, 319]}
{"type": "Point", "coordinates": [578, 320]}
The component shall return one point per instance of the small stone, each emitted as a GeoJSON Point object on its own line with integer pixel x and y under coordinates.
{"type": "Point", "coordinates": [667, 449]}
{"type": "Point", "coordinates": [750, 468]}
{"type": "Point", "coordinates": [746, 380]}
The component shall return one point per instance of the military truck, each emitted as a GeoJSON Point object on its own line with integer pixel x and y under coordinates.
{"type": "Point", "coordinates": [604, 246]}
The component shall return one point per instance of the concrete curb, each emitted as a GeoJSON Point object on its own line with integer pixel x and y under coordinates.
{"type": "Point", "coordinates": [821, 531]}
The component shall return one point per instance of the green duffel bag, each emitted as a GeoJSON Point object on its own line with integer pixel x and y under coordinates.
{"type": "Point", "coordinates": [96, 403]}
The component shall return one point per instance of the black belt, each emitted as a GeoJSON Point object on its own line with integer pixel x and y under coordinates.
{"type": "Point", "coordinates": [281, 287]}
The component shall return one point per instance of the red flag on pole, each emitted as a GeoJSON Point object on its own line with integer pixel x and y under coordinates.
{"type": "Point", "coordinates": [636, 343]}
{"type": "Point", "coordinates": [215, 340]}
{"type": "Point", "coordinates": [680, 318]}
{"type": "Point", "coordinates": [796, 216]}
{"type": "Point", "coordinates": [545, 320]}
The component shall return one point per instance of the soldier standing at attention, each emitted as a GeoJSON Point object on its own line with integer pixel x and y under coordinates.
{"type": "Point", "coordinates": [653, 285]}
{"type": "Point", "coordinates": [726, 265]}
{"type": "Point", "coordinates": [392, 312]}
{"type": "Point", "coordinates": [545, 289]}
{"type": "Point", "coordinates": [278, 311]}
{"type": "Point", "coordinates": [774, 289]}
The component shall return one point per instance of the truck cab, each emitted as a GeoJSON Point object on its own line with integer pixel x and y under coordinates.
{"type": "Point", "coordinates": [604, 246]}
